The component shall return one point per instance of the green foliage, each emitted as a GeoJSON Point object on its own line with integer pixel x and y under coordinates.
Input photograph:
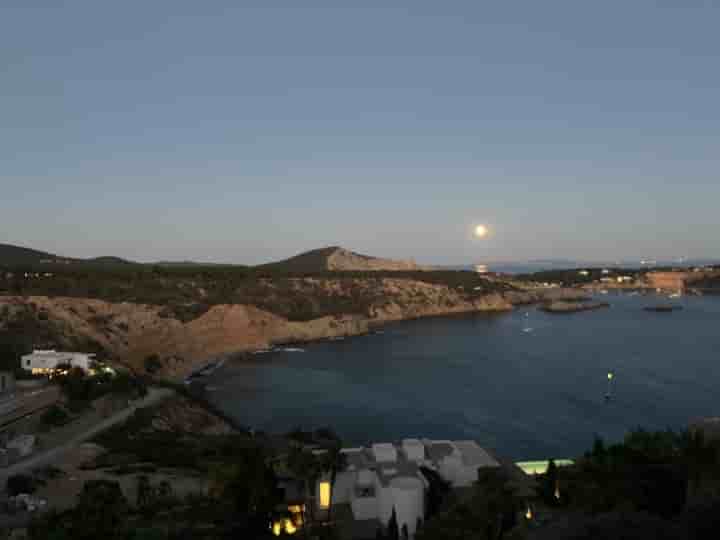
{"type": "Point", "coordinates": [249, 485]}
{"type": "Point", "coordinates": [80, 388]}
{"type": "Point", "coordinates": [487, 515]}
{"type": "Point", "coordinates": [101, 512]}
{"type": "Point", "coordinates": [54, 416]}
{"type": "Point", "coordinates": [187, 292]}
{"type": "Point", "coordinates": [393, 533]}
{"type": "Point", "coordinates": [20, 483]}
{"type": "Point", "coordinates": [548, 484]}
{"type": "Point", "coordinates": [152, 363]}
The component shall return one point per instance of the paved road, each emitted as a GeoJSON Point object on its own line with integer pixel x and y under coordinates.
{"type": "Point", "coordinates": [52, 455]}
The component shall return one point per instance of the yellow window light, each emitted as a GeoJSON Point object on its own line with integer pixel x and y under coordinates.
{"type": "Point", "coordinates": [324, 494]}
{"type": "Point", "coordinates": [290, 527]}
{"type": "Point", "coordinates": [284, 524]}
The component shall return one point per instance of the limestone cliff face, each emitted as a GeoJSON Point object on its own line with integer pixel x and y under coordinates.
{"type": "Point", "coordinates": [342, 259]}
{"type": "Point", "coordinates": [128, 332]}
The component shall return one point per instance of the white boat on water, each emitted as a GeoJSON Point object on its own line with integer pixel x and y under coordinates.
{"type": "Point", "coordinates": [675, 295]}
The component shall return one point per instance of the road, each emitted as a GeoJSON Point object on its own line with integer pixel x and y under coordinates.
{"type": "Point", "coordinates": [22, 404]}
{"type": "Point", "coordinates": [52, 455]}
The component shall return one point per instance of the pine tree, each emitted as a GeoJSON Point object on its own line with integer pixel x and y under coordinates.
{"type": "Point", "coordinates": [549, 483]}
{"type": "Point", "coordinates": [393, 531]}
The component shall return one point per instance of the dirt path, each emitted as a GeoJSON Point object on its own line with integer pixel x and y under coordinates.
{"type": "Point", "coordinates": [53, 455]}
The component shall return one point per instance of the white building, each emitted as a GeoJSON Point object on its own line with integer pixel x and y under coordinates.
{"type": "Point", "coordinates": [41, 362]}
{"type": "Point", "coordinates": [387, 477]}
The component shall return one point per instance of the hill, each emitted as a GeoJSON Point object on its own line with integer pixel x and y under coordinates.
{"type": "Point", "coordinates": [108, 260]}
{"type": "Point", "coordinates": [335, 258]}
{"type": "Point", "coordinates": [13, 256]}
{"type": "Point", "coordinates": [17, 255]}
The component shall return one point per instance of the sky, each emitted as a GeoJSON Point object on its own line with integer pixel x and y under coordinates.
{"type": "Point", "coordinates": [245, 132]}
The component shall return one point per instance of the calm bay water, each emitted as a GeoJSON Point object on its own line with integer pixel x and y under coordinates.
{"type": "Point", "coordinates": [528, 384]}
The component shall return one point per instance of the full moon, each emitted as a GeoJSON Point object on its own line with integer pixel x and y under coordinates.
{"type": "Point", "coordinates": [481, 231]}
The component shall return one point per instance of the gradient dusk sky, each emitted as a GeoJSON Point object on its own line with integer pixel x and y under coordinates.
{"type": "Point", "coordinates": [248, 131]}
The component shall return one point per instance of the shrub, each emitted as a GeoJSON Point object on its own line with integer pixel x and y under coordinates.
{"type": "Point", "coordinates": [153, 363]}
{"type": "Point", "coordinates": [20, 483]}
{"type": "Point", "coordinates": [54, 416]}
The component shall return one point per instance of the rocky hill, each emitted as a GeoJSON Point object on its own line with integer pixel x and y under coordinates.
{"type": "Point", "coordinates": [336, 258]}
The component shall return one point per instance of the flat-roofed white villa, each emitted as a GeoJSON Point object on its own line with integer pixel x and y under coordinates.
{"type": "Point", "coordinates": [43, 362]}
{"type": "Point", "coordinates": [385, 478]}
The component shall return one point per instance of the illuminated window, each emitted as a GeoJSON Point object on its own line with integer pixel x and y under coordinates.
{"type": "Point", "coordinates": [324, 494]}
{"type": "Point", "coordinates": [283, 525]}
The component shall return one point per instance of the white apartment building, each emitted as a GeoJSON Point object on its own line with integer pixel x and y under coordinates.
{"type": "Point", "coordinates": [386, 477]}
{"type": "Point", "coordinates": [40, 362]}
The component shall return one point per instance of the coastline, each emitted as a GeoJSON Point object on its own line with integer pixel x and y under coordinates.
{"type": "Point", "coordinates": [407, 371]}
{"type": "Point", "coordinates": [347, 326]}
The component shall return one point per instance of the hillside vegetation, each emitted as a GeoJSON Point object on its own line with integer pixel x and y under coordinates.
{"type": "Point", "coordinates": [186, 292]}
{"type": "Point", "coordinates": [13, 257]}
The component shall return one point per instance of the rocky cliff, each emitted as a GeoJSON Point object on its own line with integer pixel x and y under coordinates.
{"type": "Point", "coordinates": [130, 332]}
{"type": "Point", "coordinates": [336, 258]}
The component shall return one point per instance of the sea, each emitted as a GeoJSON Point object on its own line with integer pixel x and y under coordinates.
{"type": "Point", "coordinates": [527, 384]}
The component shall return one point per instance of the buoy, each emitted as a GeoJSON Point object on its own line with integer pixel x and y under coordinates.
{"type": "Point", "coordinates": [608, 394]}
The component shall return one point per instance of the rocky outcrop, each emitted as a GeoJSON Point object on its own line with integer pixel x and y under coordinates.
{"type": "Point", "coordinates": [344, 260]}
{"type": "Point", "coordinates": [180, 415]}
{"type": "Point", "coordinates": [535, 296]}
{"type": "Point", "coordinates": [336, 258]}
{"type": "Point", "coordinates": [562, 306]}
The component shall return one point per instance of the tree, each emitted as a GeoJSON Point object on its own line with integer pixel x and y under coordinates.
{"type": "Point", "coordinates": [250, 487]}
{"type": "Point", "coordinates": [488, 514]}
{"type": "Point", "coordinates": [101, 511]}
{"type": "Point", "coordinates": [305, 466]}
{"type": "Point", "coordinates": [438, 491]}
{"type": "Point", "coordinates": [549, 483]}
{"type": "Point", "coordinates": [616, 526]}
{"type": "Point", "coordinates": [144, 491]}
{"type": "Point", "coordinates": [392, 529]}
{"type": "Point", "coordinates": [54, 416]}
{"type": "Point", "coordinates": [20, 483]}
{"type": "Point", "coordinates": [152, 363]}
{"type": "Point", "coordinates": [75, 385]}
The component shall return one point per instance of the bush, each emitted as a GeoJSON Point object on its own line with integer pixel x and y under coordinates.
{"type": "Point", "coordinates": [153, 363]}
{"type": "Point", "coordinates": [54, 416]}
{"type": "Point", "coordinates": [20, 483]}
